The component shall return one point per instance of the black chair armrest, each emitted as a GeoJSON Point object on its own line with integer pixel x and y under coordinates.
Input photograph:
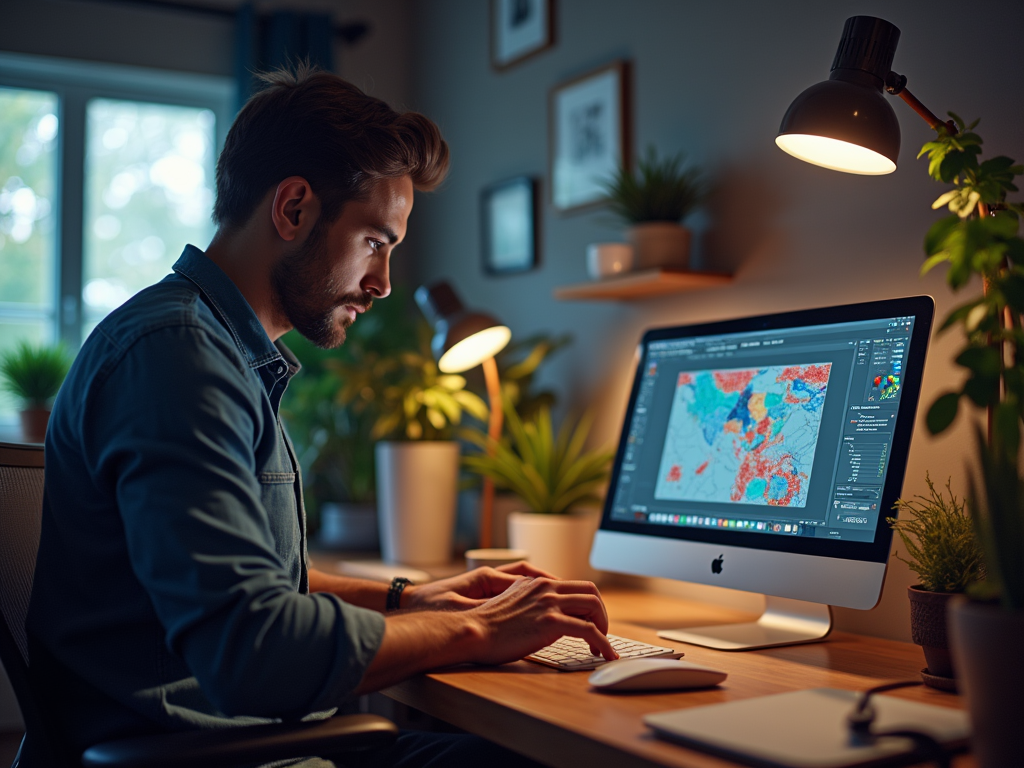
{"type": "Point", "coordinates": [221, 747]}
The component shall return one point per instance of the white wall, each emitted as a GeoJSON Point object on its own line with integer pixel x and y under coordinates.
{"type": "Point", "coordinates": [714, 79]}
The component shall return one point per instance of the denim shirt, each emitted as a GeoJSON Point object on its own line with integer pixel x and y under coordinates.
{"type": "Point", "coordinates": [171, 589]}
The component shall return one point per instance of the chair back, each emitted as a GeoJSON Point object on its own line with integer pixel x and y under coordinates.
{"type": "Point", "coordinates": [21, 512]}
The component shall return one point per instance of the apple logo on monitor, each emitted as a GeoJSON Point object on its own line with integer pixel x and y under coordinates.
{"type": "Point", "coordinates": [716, 564]}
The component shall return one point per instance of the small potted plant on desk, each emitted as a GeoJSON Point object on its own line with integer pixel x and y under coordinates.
{"type": "Point", "coordinates": [943, 551]}
{"type": "Point", "coordinates": [981, 238]}
{"type": "Point", "coordinates": [555, 479]}
{"type": "Point", "coordinates": [33, 374]}
{"type": "Point", "coordinates": [652, 204]}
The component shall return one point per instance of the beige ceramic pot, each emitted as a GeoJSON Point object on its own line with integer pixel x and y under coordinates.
{"type": "Point", "coordinates": [558, 544]}
{"type": "Point", "coordinates": [660, 244]}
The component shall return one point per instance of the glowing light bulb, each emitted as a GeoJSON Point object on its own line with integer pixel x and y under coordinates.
{"type": "Point", "coordinates": [835, 155]}
{"type": "Point", "coordinates": [475, 349]}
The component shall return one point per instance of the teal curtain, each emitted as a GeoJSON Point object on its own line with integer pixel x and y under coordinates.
{"type": "Point", "coordinates": [277, 40]}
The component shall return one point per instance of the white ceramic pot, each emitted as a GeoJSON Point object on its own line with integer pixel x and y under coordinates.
{"type": "Point", "coordinates": [660, 244]}
{"type": "Point", "coordinates": [558, 544]}
{"type": "Point", "coordinates": [986, 641]}
{"type": "Point", "coordinates": [417, 483]}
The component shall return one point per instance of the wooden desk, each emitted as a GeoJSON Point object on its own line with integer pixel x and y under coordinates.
{"type": "Point", "coordinates": [555, 718]}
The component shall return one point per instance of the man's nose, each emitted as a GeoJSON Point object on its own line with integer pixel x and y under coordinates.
{"type": "Point", "coordinates": [377, 281]}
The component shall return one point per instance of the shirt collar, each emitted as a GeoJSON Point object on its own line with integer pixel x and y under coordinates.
{"type": "Point", "coordinates": [232, 308]}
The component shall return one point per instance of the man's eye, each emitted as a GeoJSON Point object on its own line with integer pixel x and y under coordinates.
{"type": "Point", "coordinates": [376, 244]}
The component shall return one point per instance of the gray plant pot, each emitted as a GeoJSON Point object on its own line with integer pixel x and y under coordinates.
{"type": "Point", "coordinates": [928, 629]}
{"type": "Point", "coordinates": [987, 643]}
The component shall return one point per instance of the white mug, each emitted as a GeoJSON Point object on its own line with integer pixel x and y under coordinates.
{"type": "Point", "coordinates": [607, 259]}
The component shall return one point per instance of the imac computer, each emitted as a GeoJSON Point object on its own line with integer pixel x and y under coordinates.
{"type": "Point", "coordinates": [764, 454]}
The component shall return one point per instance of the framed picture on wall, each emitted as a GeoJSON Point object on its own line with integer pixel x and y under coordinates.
{"type": "Point", "coordinates": [589, 135]}
{"type": "Point", "coordinates": [520, 29]}
{"type": "Point", "coordinates": [509, 226]}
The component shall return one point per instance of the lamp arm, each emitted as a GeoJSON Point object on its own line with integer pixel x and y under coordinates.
{"type": "Point", "coordinates": [896, 85]}
{"type": "Point", "coordinates": [494, 432]}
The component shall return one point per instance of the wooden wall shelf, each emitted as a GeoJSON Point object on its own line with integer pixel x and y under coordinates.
{"type": "Point", "coordinates": [642, 285]}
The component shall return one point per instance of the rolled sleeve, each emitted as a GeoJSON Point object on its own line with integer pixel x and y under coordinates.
{"type": "Point", "coordinates": [175, 428]}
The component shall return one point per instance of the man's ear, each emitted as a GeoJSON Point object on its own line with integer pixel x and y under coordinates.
{"type": "Point", "coordinates": [295, 208]}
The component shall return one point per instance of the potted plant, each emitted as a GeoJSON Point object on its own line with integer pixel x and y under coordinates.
{"type": "Point", "coordinates": [33, 374]}
{"type": "Point", "coordinates": [980, 238]}
{"type": "Point", "coordinates": [414, 409]}
{"type": "Point", "coordinates": [555, 479]}
{"type": "Point", "coordinates": [333, 446]}
{"type": "Point", "coordinates": [652, 203]}
{"type": "Point", "coordinates": [938, 536]}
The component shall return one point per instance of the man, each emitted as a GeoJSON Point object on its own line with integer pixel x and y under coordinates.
{"type": "Point", "coordinates": [171, 590]}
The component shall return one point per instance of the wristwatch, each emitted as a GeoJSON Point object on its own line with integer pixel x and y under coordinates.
{"type": "Point", "coordinates": [394, 599]}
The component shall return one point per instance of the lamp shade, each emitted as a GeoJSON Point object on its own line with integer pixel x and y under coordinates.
{"type": "Point", "coordinates": [845, 122]}
{"type": "Point", "coordinates": [462, 339]}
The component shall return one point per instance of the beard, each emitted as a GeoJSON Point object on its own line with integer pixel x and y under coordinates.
{"type": "Point", "coordinates": [308, 295]}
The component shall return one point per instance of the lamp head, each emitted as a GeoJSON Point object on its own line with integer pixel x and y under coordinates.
{"type": "Point", "coordinates": [845, 123]}
{"type": "Point", "coordinates": [462, 339]}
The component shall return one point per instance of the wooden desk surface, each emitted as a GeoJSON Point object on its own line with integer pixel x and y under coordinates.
{"type": "Point", "coordinates": [555, 717]}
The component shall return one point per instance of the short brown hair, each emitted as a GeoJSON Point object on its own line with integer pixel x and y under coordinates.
{"type": "Point", "coordinates": [313, 124]}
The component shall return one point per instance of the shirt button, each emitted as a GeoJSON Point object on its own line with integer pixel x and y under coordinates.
{"type": "Point", "coordinates": [279, 369]}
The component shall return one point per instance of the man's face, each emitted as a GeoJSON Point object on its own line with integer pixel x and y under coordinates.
{"type": "Point", "coordinates": [342, 266]}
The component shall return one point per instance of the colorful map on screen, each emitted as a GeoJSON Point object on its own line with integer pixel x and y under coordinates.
{"type": "Point", "coordinates": [743, 436]}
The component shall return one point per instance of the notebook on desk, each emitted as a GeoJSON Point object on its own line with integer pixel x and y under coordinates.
{"type": "Point", "coordinates": [807, 729]}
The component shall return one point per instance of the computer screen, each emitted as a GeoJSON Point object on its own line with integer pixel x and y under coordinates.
{"type": "Point", "coordinates": [783, 433]}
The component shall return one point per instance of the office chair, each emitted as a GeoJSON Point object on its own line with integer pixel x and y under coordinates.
{"type": "Point", "coordinates": [21, 504]}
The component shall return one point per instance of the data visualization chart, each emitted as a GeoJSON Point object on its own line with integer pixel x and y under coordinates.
{"type": "Point", "coordinates": [743, 436]}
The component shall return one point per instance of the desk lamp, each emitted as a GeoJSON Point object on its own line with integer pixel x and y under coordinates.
{"type": "Point", "coordinates": [844, 123]}
{"type": "Point", "coordinates": [462, 340]}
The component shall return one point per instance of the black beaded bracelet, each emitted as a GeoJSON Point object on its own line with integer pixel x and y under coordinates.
{"type": "Point", "coordinates": [394, 600]}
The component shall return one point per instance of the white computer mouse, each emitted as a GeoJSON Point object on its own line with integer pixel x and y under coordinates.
{"type": "Point", "coordinates": [654, 675]}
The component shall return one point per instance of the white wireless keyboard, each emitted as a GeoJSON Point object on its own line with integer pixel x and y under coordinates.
{"type": "Point", "coordinates": [571, 654]}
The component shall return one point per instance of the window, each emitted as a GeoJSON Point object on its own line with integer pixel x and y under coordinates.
{"type": "Point", "coordinates": [28, 183]}
{"type": "Point", "coordinates": [105, 174]}
{"type": "Point", "coordinates": [148, 191]}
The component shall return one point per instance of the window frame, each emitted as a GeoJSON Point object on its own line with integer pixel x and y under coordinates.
{"type": "Point", "coordinates": [75, 84]}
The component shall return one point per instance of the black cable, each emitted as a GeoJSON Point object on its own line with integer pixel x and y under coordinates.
{"type": "Point", "coordinates": [863, 717]}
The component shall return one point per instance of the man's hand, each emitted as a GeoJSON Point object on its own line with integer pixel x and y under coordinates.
{"type": "Point", "coordinates": [528, 615]}
{"type": "Point", "coordinates": [470, 589]}
{"type": "Point", "coordinates": [533, 613]}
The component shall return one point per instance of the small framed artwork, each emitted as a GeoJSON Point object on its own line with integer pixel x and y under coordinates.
{"type": "Point", "coordinates": [509, 226]}
{"type": "Point", "coordinates": [589, 135]}
{"type": "Point", "coordinates": [520, 29]}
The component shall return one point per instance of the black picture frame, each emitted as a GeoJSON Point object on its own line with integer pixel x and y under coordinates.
{"type": "Point", "coordinates": [508, 226]}
{"type": "Point", "coordinates": [520, 29]}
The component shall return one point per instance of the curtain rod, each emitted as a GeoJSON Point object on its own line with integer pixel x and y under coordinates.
{"type": "Point", "coordinates": [350, 32]}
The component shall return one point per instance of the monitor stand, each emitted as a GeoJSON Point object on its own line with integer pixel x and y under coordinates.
{"type": "Point", "coordinates": [784, 622]}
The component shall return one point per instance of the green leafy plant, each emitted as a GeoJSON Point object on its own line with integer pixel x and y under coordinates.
{"type": "Point", "coordinates": [518, 364]}
{"type": "Point", "coordinates": [661, 190]}
{"type": "Point", "coordinates": [33, 374]}
{"type": "Point", "coordinates": [980, 238]}
{"type": "Point", "coordinates": [938, 535]}
{"type": "Point", "coordinates": [409, 397]}
{"type": "Point", "coordinates": [551, 473]}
